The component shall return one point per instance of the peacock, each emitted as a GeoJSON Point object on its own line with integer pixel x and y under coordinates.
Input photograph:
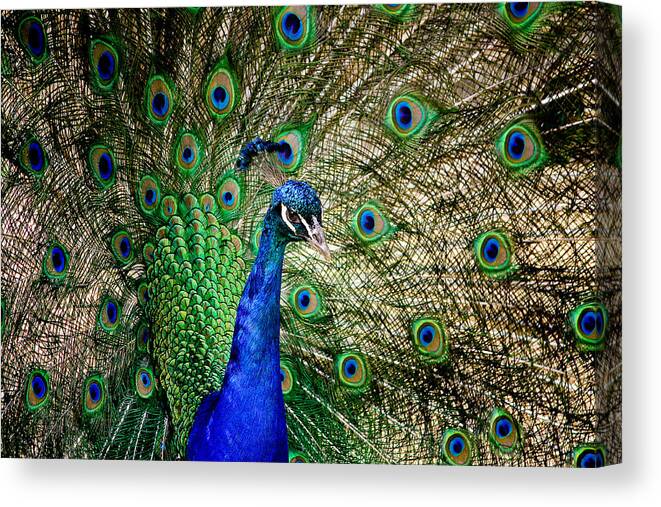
{"type": "Point", "coordinates": [335, 234]}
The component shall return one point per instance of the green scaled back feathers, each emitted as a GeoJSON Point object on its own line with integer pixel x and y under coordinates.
{"type": "Point", "coordinates": [470, 314]}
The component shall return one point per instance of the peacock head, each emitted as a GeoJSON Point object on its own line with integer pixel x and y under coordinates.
{"type": "Point", "coordinates": [296, 214]}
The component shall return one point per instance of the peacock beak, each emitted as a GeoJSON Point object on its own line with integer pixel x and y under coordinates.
{"type": "Point", "coordinates": [317, 240]}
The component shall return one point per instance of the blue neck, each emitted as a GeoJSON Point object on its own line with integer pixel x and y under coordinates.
{"type": "Point", "coordinates": [245, 420]}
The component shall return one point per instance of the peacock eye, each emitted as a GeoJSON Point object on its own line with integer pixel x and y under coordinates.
{"type": "Point", "coordinates": [187, 153]}
{"type": "Point", "coordinates": [287, 379]}
{"type": "Point", "coordinates": [208, 203]}
{"type": "Point", "coordinates": [33, 38]}
{"type": "Point", "coordinates": [521, 13]}
{"type": "Point", "coordinates": [293, 217]}
{"type": "Point", "coordinates": [430, 339]}
{"type": "Point", "coordinates": [104, 62]}
{"type": "Point", "coordinates": [159, 100]}
{"type": "Point", "coordinates": [142, 337]}
{"type": "Point", "coordinates": [493, 251]}
{"type": "Point", "coordinates": [589, 322]}
{"type": "Point", "coordinates": [148, 195]}
{"type": "Point", "coordinates": [352, 370]}
{"type": "Point", "coordinates": [143, 293]}
{"type": "Point", "coordinates": [520, 148]}
{"type": "Point", "coordinates": [457, 447]}
{"type": "Point", "coordinates": [294, 26]}
{"type": "Point", "coordinates": [306, 302]}
{"type": "Point", "coordinates": [93, 395]}
{"type": "Point", "coordinates": [369, 223]}
{"type": "Point", "coordinates": [109, 314]}
{"type": "Point", "coordinates": [102, 165]}
{"type": "Point", "coordinates": [222, 91]}
{"type": "Point", "coordinates": [168, 207]}
{"type": "Point", "coordinates": [229, 197]}
{"type": "Point", "coordinates": [503, 431]}
{"type": "Point", "coordinates": [144, 382]}
{"type": "Point", "coordinates": [37, 389]}
{"type": "Point", "coordinates": [406, 116]}
{"type": "Point", "coordinates": [297, 457]}
{"type": "Point", "coordinates": [589, 456]}
{"type": "Point", "coordinates": [122, 247]}
{"type": "Point", "coordinates": [32, 157]}
{"type": "Point", "coordinates": [56, 262]}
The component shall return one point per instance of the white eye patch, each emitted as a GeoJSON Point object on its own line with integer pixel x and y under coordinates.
{"type": "Point", "coordinates": [283, 214]}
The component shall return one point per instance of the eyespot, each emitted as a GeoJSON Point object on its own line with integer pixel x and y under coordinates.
{"type": "Point", "coordinates": [406, 116]}
{"type": "Point", "coordinates": [188, 153]}
{"type": "Point", "coordinates": [255, 239]}
{"type": "Point", "coordinates": [143, 293]}
{"type": "Point", "coordinates": [430, 339]}
{"type": "Point", "coordinates": [457, 447]}
{"type": "Point", "coordinates": [56, 262]}
{"type": "Point", "coordinates": [520, 148]}
{"type": "Point", "coordinates": [37, 389]}
{"type": "Point", "coordinates": [94, 395]}
{"type": "Point", "coordinates": [306, 302]}
{"type": "Point", "coordinates": [298, 457]}
{"type": "Point", "coordinates": [290, 156]}
{"type": "Point", "coordinates": [520, 14]}
{"type": "Point", "coordinates": [589, 322]}
{"type": "Point", "coordinates": [222, 91]}
{"type": "Point", "coordinates": [503, 431]}
{"type": "Point", "coordinates": [294, 26]}
{"type": "Point", "coordinates": [351, 370]}
{"type": "Point", "coordinates": [105, 64]}
{"type": "Point", "coordinates": [396, 10]}
{"type": "Point", "coordinates": [148, 195]}
{"type": "Point", "coordinates": [32, 157]}
{"type": "Point", "coordinates": [121, 245]}
{"type": "Point", "coordinates": [159, 100]}
{"type": "Point", "coordinates": [369, 223]}
{"type": "Point", "coordinates": [168, 207]}
{"type": "Point", "coordinates": [229, 197]}
{"type": "Point", "coordinates": [102, 165]}
{"type": "Point", "coordinates": [287, 379]}
{"type": "Point", "coordinates": [142, 336]}
{"type": "Point", "coordinates": [144, 382]}
{"type": "Point", "coordinates": [589, 456]}
{"type": "Point", "coordinates": [208, 203]}
{"type": "Point", "coordinates": [493, 252]}
{"type": "Point", "coordinates": [148, 252]}
{"type": "Point", "coordinates": [109, 314]}
{"type": "Point", "coordinates": [33, 38]}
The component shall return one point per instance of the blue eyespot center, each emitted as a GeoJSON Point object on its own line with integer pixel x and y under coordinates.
{"type": "Point", "coordinates": [285, 153]}
{"type": "Point", "coordinates": [404, 115]}
{"type": "Point", "coordinates": [111, 312]}
{"type": "Point", "coordinates": [304, 299]}
{"type": "Point", "coordinates": [503, 428]}
{"type": "Point", "coordinates": [350, 368]}
{"type": "Point", "coordinates": [282, 375]}
{"type": "Point", "coordinates": [457, 446]}
{"type": "Point", "coordinates": [187, 155]}
{"type": "Point", "coordinates": [220, 97]}
{"type": "Point", "coordinates": [38, 386]}
{"type": "Point", "coordinates": [36, 38]}
{"type": "Point", "coordinates": [36, 156]}
{"type": "Point", "coordinates": [228, 198]}
{"type": "Point", "coordinates": [519, 9]}
{"type": "Point", "coordinates": [427, 334]}
{"type": "Point", "coordinates": [150, 197]}
{"type": "Point", "coordinates": [160, 104]}
{"type": "Point", "coordinates": [367, 222]}
{"type": "Point", "coordinates": [145, 379]}
{"type": "Point", "coordinates": [106, 65]}
{"type": "Point", "coordinates": [591, 459]}
{"type": "Point", "coordinates": [94, 391]}
{"type": "Point", "coordinates": [516, 145]}
{"type": "Point", "coordinates": [124, 247]}
{"type": "Point", "coordinates": [490, 250]}
{"type": "Point", "coordinates": [105, 166]}
{"type": "Point", "coordinates": [292, 26]}
{"type": "Point", "coordinates": [58, 259]}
